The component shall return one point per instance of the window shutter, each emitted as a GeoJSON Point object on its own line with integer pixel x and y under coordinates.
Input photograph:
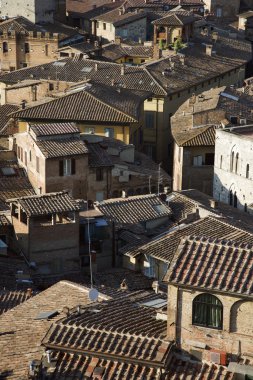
{"type": "Point", "coordinates": [61, 168]}
{"type": "Point", "coordinates": [73, 166]}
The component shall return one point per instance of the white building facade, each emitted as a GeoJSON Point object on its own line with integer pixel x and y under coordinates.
{"type": "Point", "coordinates": [33, 10]}
{"type": "Point", "coordinates": [233, 167]}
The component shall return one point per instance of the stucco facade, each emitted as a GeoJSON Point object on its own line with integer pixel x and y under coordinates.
{"type": "Point", "coordinates": [34, 10]}
{"type": "Point", "coordinates": [233, 167]}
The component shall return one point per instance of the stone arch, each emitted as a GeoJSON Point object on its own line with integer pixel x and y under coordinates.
{"type": "Point", "coordinates": [240, 321]}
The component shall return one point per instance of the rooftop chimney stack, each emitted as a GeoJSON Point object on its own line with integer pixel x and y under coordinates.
{"type": "Point", "coordinates": [122, 71]}
{"type": "Point", "coordinates": [96, 67]}
{"type": "Point", "coordinates": [209, 50]}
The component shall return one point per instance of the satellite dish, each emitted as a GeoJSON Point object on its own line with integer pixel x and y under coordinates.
{"type": "Point", "coordinates": [93, 294]}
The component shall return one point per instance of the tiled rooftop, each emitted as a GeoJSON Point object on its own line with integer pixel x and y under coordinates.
{"type": "Point", "coordinates": [114, 51]}
{"type": "Point", "coordinates": [46, 204]}
{"type": "Point", "coordinates": [98, 156]}
{"type": "Point", "coordinates": [5, 110]}
{"type": "Point", "coordinates": [117, 17]}
{"type": "Point", "coordinates": [177, 18]}
{"type": "Point", "coordinates": [21, 333]}
{"type": "Point", "coordinates": [13, 182]}
{"type": "Point", "coordinates": [202, 136]}
{"type": "Point", "coordinates": [61, 147]}
{"type": "Point", "coordinates": [12, 298]}
{"type": "Point", "coordinates": [181, 368]}
{"type": "Point", "coordinates": [134, 209]}
{"type": "Point", "coordinates": [122, 330]}
{"type": "Point", "coordinates": [216, 264]}
{"type": "Point", "coordinates": [51, 129]}
{"type": "Point", "coordinates": [88, 102]}
{"type": "Point", "coordinates": [198, 67]}
{"type": "Point", "coordinates": [164, 247]}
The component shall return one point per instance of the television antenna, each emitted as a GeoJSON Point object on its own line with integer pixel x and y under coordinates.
{"type": "Point", "coordinates": [93, 293]}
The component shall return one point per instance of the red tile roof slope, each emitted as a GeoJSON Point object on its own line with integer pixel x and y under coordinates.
{"type": "Point", "coordinates": [220, 265]}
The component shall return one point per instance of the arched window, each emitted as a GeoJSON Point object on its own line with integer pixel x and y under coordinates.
{"type": "Point", "coordinates": [247, 171]}
{"type": "Point", "coordinates": [231, 198]}
{"type": "Point", "coordinates": [236, 162]}
{"type": "Point", "coordinates": [207, 311]}
{"type": "Point", "coordinates": [235, 200]}
{"type": "Point", "coordinates": [232, 161]}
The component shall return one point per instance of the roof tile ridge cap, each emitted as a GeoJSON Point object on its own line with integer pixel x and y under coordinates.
{"type": "Point", "coordinates": [113, 107]}
{"type": "Point", "coordinates": [151, 76]}
{"type": "Point", "coordinates": [82, 287]}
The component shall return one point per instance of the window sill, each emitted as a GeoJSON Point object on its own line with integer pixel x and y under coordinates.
{"type": "Point", "coordinates": [206, 327]}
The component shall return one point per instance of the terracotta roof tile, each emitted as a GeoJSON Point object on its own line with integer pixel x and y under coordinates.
{"type": "Point", "coordinates": [49, 203]}
{"type": "Point", "coordinates": [90, 102]}
{"type": "Point", "coordinates": [216, 264]}
{"type": "Point", "coordinates": [11, 298]}
{"type": "Point", "coordinates": [98, 156]}
{"type": "Point", "coordinates": [134, 209]}
{"type": "Point", "coordinates": [61, 147]}
{"type": "Point", "coordinates": [181, 368]}
{"type": "Point", "coordinates": [54, 129]}
{"type": "Point", "coordinates": [22, 333]}
{"type": "Point", "coordinates": [164, 247]}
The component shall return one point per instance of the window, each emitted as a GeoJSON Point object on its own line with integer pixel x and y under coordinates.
{"type": "Point", "coordinates": [5, 47]}
{"type": "Point", "coordinates": [233, 120]}
{"type": "Point", "coordinates": [99, 174]}
{"type": "Point", "coordinates": [109, 132]}
{"type": "Point", "coordinates": [89, 131]}
{"type": "Point", "coordinates": [247, 171]}
{"type": "Point", "coordinates": [232, 161]}
{"type": "Point", "coordinates": [245, 207]}
{"type": "Point", "coordinates": [51, 86]}
{"type": "Point", "coordinates": [25, 158]}
{"type": "Point", "coordinates": [30, 155]}
{"type": "Point", "coordinates": [236, 162]}
{"type": "Point", "coordinates": [221, 162]}
{"type": "Point", "coordinates": [37, 164]}
{"type": "Point", "coordinates": [209, 159]}
{"type": "Point", "coordinates": [149, 119]}
{"type": "Point", "coordinates": [46, 50]}
{"type": "Point", "coordinates": [67, 167]}
{"type": "Point", "coordinates": [27, 48]}
{"type": "Point", "coordinates": [104, 26]}
{"type": "Point", "coordinates": [235, 200]}
{"type": "Point", "coordinates": [207, 311]}
{"type": "Point", "coordinates": [197, 161]}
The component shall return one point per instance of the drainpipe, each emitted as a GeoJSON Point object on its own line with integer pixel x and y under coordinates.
{"type": "Point", "coordinates": [177, 327]}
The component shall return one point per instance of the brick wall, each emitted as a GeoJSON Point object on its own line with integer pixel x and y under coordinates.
{"type": "Point", "coordinates": [236, 334]}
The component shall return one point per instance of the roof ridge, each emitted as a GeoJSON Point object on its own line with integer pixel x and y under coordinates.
{"type": "Point", "coordinates": [113, 107]}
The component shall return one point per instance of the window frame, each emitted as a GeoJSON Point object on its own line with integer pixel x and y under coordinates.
{"type": "Point", "coordinates": [208, 307]}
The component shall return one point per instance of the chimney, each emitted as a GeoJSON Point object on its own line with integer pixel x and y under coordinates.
{"type": "Point", "coordinates": [213, 204]}
{"type": "Point", "coordinates": [157, 52]}
{"type": "Point", "coordinates": [113, 82]}
{"type": "Point", "coordinates": [155, 286]}
{"type": "Point", "coordinates": [123, 285]}
{"type": "Point", "coordinates": [122, 71]}
{"type": "Point", "coordinates": [29, 292]}
{"type": "Point", "coordinates": [209, 50]}
{"type": "Point", "coordinates": [23, 104]}
{"type": "Point", "coordinates": [117, 40]}
{"type": "Point", "coordinates": [182, 59]}
{"type": "Point", "coordinates": [123, 195]}
{"type": "Point", "coordinates": [96, 67]}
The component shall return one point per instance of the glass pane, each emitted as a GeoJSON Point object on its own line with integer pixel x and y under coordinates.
{"type": "Point", "coordinates": [214, 316]}
{"type": "Point", "coordinates": [199, 316]}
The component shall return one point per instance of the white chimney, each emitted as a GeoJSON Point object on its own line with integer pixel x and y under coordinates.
{"type": "Point", "coordinates": [122, 71]}
{"type": "Point", "coordinates": [209, 50]}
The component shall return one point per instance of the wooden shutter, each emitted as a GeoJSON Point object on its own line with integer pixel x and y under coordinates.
{"type": "Point", "coordinates": [61, 168]}
{"type": "Point", "coordinates": [73, 166]}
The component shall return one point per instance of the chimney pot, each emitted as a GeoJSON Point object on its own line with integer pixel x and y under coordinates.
{"type": "Point", "coordinates": [122, 69]}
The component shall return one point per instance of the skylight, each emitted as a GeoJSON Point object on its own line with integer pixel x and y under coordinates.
{"type": "Point", "coordinates": [229, 96]}
{"type": "Point", "coordinates": [8, 171]}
